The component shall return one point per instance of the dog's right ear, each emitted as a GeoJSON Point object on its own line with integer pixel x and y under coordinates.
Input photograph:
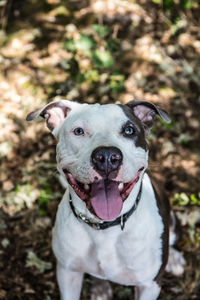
{"type": "Point", "coordinates": [146, 111]}
{"type": "Point", "coordinates": [54, 113]}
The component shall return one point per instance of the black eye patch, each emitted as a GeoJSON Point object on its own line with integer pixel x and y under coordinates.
{"type": "Point", "coordinates": [129, 130]}
{"type": "Point", "coordinates": [139, 136]}
{"type": "Point", "coordinates": [133, 132]}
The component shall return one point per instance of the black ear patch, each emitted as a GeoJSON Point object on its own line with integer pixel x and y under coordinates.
{"type": "Point", "coordinates": [146, 111]}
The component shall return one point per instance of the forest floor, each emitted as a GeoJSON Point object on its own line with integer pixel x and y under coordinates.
{"type": "Point", "coordinates": [93, 51]}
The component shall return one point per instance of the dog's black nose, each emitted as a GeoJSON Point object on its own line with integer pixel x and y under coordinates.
{"type": "Point", "coordinates": [106, 159]}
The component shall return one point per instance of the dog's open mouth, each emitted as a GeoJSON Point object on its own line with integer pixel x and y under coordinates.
{"type": "Point", "coordinates": [104, 196]}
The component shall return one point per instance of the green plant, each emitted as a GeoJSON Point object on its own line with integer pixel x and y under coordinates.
{"type": "Point", "coordinates": [101, 30]}
{"type": "Point", "coordinates": [117, 82]}
{"type": "Point", "coordinates": [102, 59]}
{"type": "Point", "coordinates": [172, 4]}
{"type": "Point", "coordinates": [33, 260]}
{"type": "Point", "coordinates": [182, 199]}
{"type": "Point", "coordinates": [43, 200]}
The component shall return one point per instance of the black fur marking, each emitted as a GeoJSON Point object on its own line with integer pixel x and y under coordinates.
{"type": "Point", "coordinates": [139, 136]}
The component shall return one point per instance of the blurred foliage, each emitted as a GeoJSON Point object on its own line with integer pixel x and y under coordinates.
{"type": "Point", "coordinates": [124, 293]}
{"type": "Point", "coordinates": [177, 4]}
{"type": "Point", "coordinates": [34, 261]}
{"type": "Point", "coordinates": [182, 199]}
{"type": "Point", "coordinates": [23, 196]}
{"type": "Point", "coordinates": [94, 58]}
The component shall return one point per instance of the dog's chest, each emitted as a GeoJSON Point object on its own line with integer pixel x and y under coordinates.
{"type": "Point", "coordinates": [127, 257]}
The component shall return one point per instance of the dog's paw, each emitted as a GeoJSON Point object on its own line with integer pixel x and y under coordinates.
{"type": "Point", "coordinates": [176, 262]}
{"type": "Point", "coordinates": [101, 290]}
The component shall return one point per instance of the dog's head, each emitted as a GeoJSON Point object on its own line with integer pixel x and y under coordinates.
{"type": "Point", "coordinates": [101, 150]}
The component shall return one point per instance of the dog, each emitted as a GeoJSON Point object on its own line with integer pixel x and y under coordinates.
{"type": "Point", "coordinates": [112, 222]}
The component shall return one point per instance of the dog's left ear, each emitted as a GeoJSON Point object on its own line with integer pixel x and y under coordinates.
{"type": "Point", "coordinates": [146, 111]}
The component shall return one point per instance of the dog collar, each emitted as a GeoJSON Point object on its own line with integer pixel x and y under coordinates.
{"type": "Point", "coordinates": [106, 224]}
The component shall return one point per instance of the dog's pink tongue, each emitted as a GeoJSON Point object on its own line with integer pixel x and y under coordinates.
{"type": "Point", "coordinates": [105, 199]}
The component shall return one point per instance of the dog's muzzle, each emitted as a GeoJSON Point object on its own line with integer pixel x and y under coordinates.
{"type": "Point", "coordinates": [104, 196]}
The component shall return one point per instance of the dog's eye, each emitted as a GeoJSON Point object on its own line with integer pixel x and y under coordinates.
{"type": "Point", "coordinates": [78, 131]}
{"type": "Point", "coordinates": [129, 130]}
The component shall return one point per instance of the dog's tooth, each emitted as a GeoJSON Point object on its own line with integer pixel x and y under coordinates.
{"type": "Point", "coordinates": [121, 186]}
{"type": "Point", "coordinates": [86, 187]}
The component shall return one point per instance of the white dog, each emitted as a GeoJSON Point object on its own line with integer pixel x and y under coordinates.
{"type": "Point", "coordinates": [111, 222]}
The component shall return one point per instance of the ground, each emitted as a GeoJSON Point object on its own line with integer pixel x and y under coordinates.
{"type": "Point", "coordinates": [93, 51]}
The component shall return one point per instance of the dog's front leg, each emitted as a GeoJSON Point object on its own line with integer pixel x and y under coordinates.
{"type": "Point", "coordinates": [69, 283]}
{"type": "Point", "coordinates": [147, 292]}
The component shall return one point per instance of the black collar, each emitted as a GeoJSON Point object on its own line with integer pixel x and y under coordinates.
{"type": "Point", "coordinates": [106, 224]}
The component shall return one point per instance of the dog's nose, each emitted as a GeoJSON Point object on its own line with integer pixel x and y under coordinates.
{"type": "Point", "coordinates": [106, 159]}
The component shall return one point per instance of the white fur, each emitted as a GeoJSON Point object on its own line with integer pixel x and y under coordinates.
{"type": "Point", "coordinates": [176, 262]}
{"type": "Point", "coordinates": [149, 292]}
